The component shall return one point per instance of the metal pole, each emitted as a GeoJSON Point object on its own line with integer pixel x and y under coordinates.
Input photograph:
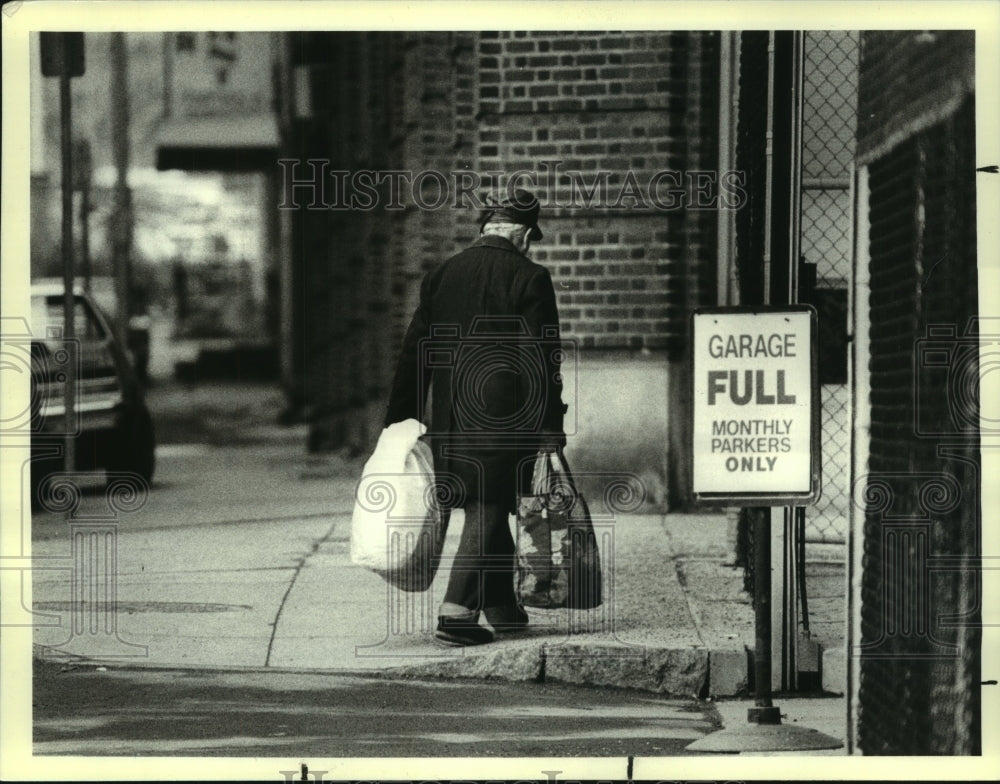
{"type": "Point", "coordinates": [768, 170]}
{"type": "Point", "coordinates": [122, 234]}
{"type": "Point", "coordinates": [789, 654]}
{"type": "Point", "coordinates": [762, 617]}
{"type": "Point", "coordinates": [85, 234]}
{"type": "Point", "coordinates": [795, 222]}
{"type": "Point", "coordinates": [66, 131]}
{"type": "Point", "coordinates": [800, 536]}
{"type": "Point", "coordinates": [793, 586]}
{"type": "Point", "coordinates": [860, 386]}
{"type": "Point", "coordinates": [727, 136]}
{"type": "Point", "coordinates": [764, 712]}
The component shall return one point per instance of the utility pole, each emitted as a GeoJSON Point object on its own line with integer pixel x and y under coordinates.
{"type": "Point", "coordinates": [62, 55]}
{"type": "Point", "coordinates": [82, 175]}
{"type": "Point", "coordinates": [69, 297]}
{"type": "Point", "coordinates": [121, 234]}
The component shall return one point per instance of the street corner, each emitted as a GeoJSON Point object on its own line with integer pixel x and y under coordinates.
{"type": "Point", "coordinates": [500, 660]}
{"type": "Point", "coordinates": [681, 672]}
{"type": "Point", "coordinates": [803, 722]}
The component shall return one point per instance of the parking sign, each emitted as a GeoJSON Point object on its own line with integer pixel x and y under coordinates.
{"type": "Point", "coordinates": [755, 405]}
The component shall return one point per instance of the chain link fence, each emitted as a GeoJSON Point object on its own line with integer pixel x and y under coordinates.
{"type": "Point", "coordinates": [829, 123]}
{"type": "Point", "coordinates": [828, 133]}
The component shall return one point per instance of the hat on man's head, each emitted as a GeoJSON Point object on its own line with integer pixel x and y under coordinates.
{"type": "Point", "coordinates": [519, 207]}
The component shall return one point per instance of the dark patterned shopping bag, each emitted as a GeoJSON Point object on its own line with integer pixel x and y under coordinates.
{"type": "Point", "coordinates": [558, 563]}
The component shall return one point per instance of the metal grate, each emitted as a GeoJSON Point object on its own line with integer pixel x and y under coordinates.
{"type": "Point", "coordinates": [829, 122]}
{"type": "Point", "coordinates": [920, 593]}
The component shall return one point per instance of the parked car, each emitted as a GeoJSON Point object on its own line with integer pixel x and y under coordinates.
{"type": "Point", "coordinates": [136, 343]}
{"type": "Point", "coordinates": [113, 424]}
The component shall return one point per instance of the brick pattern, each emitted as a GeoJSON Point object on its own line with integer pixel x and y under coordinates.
{"type": "Point", "coordinates": [698, 238]}
{"type": "Point", "coordinates": [923, 276]}
{"type": "Point", "coordinates": [629, 104]}
{"type": "Point", "coordinates": [612, 288]}
{"type": "Point", "coordinates": [393, 102]}
{"type": "Point", "coordinates": [907, 76]}
{"type": "Point", "coordinates": [569, 106]}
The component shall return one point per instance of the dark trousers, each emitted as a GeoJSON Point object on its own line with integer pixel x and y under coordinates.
{"type": "Point", "coordinates": [482, 576]}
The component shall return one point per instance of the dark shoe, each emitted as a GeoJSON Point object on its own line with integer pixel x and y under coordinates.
{"type": "Point", "coordinates": [510, 618]}
{"type": "Point", "coordinates": [462, 630]}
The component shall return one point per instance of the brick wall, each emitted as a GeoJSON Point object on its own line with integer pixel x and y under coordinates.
{"type": "Point", "coordinates": [629, 104]}
{"type": "Point", "coordinates": [585, 103]}
{"type": "Point", "coordinates": [912, 78]}
{"type": "Point", "coordinates": [920, 662]}
{"type": "Point", "coordinates": [388, 102]}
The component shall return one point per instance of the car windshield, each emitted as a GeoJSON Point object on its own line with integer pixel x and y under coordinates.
{"type": "Point", "coordinates": [47, 319]}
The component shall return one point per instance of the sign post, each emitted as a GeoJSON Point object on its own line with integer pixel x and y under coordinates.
{"type": "Point", "coordinates": [755, 442]}
{"type": "Point", "coordinates": [756, 405]}
{"type": "Point", "coordinates": [756, 392]}
{"type": "Point", "coordinates": [756, 433]}
{"type": "Point", "coordinates": [62, 55]}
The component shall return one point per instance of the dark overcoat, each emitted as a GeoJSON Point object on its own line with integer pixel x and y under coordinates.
{"type": "Point", "coordinates": [484, 342]}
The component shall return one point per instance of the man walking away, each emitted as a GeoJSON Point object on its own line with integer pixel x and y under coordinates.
{"type": "Point", "coordinates": [485, 340]}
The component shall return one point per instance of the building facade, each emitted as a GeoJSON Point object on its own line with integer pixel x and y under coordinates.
{"type": "Point", "coordinates": [917, 592]}
{"type": "Point", "coordinates": [618, 135]}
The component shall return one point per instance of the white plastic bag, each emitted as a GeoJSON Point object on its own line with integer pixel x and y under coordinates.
{"type": "Point", "coordinates": [397, 528]}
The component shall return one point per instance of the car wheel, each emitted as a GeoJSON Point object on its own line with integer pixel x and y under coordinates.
{"type": "Point", "coordinates": [133, 447]}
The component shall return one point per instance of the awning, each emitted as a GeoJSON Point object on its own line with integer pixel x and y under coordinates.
{"type": "Point", "coordinates": [224, 143]}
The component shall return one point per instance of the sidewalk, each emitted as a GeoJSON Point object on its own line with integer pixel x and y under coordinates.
{"type": "Point", "coordinates": [241, 560]}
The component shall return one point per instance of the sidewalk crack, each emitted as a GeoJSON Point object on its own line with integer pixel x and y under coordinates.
{"type": "Point", "coordinates": [682, 582]}
{"type": "Point", "coordinates": [291, 584]}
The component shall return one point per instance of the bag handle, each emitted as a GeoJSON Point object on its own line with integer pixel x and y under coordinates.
{"type": "Point", "coordinates": [557, 482]}
{"type": "Point", "coordinates": [549, 463]}
{"type": "Point", "coordinates": [540, 475]}
{"type": "Point", "coordinates": [558, 463]}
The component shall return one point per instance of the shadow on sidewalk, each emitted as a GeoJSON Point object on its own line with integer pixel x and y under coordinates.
{"type": "Point", "coordinates": [220, 413]}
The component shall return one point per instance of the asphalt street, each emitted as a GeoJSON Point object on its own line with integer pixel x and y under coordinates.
{"type": "Point", "coordinates": [217, 474]}
{"type": "Point", "coordinates": [84, 710]}
{"type": "Point", "coordinates": [235, 624]}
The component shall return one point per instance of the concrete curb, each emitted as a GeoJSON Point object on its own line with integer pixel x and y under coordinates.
{"type": "Point", "coordinates": [667, 671]}
{"type": "Point", "coordinates": [834, 670]}
{"type": "Point", "coordinates": [728, 673]}
{"type": "Point", "coordinates": [670, 672]}
{"type": "Point", "coordinates": [708, 657]}
{"type": "Point", "coordinates": [675, 672]}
